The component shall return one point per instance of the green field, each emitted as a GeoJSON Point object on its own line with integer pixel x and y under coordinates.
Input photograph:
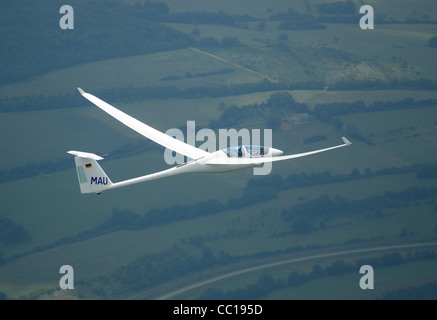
{"type": "Point", "coordinates": [339, 287]}
{"type": "Point", "coordinates": [49, 207]}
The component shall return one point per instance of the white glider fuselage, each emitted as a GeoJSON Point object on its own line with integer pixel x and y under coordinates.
{"type": "Point", "coordinates": [92, 178]}
{"type": "Point", "coordinates": [215, 162]}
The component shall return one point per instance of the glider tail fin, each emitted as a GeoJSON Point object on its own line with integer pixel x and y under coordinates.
{"type": "Point", "coordinates": [92, 178]}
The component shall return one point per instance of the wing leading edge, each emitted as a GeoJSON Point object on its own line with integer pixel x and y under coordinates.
{"type": "Point", "coordinates": [256, 161]}
{"type": "Point", "coordinates": [145, 130]}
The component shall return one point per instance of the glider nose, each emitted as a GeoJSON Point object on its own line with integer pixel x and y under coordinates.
{"type": "Point", "coordinates": [276, 152]}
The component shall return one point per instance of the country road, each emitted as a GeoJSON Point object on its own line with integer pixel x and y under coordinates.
{"type": "Point", "coordinates": [233, 64]}
{"type": "Point", "coordinates": [289, 261]}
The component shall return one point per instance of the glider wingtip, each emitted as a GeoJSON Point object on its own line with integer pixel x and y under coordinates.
{"type": "Point", "coordinates": [346, 141]}
{"type": "Point", "coordinates": [81, 91]}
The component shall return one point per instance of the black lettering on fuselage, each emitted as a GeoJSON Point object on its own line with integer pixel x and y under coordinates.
{"type": "Point", "coordinates": [99, 180]}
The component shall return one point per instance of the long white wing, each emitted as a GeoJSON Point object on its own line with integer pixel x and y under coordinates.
{"type": "Point", "coordinates": [147, 131]}
{"type": "Point", "coordinates": [261, 160]}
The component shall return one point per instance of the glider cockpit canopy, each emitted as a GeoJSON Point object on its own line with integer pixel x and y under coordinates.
{"type": "Point", "coordinates": [246, 151]}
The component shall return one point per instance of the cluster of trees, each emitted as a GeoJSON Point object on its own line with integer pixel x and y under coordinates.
{"type": "Point", "coordinates": [277, 104]}
{"type": "Point", "coordinates": [304, 179]}
{"type": "Point", "coordinates": [46, 167]}
{"type": "Point", "coordinates": [160, 12]}
{"type": "Point", "coordinates": [427, 172]}
{"type": "Point", "coordinates": [205, 17]}
{"type": "Point", "coordinates": [263, 189]}
{"type": "Point", "coordinates": [40, 102]}
{"type": "Point", "coordinates": [314, 139]}
{"type": "Point", "coordinates": [34, 169]}
{"type": "Point", "coordinates": [347, 12]}
{"type": "Point", "coordinates": [334, 12]}
{"type": "Point", "coordinates": [305, 23]}
{"type": "Point", "coordinates": [302, 215]}
{"type": "Point", "coordinates": [393, 84]}
{"type": "Point", "coordinates": [426, 291]}
{"type": "Point", "coordinates": [152, 270]}
{"type": "Point", "coordinates": [12, 233]}
{"type": "Point", "coordinates": [263, 286]}
{"type": "Point", "coordinates": [130, 93]}
{"type": "Point", "coordinates": [432, 43]}
{"type": "Point", "coordinates": [101, 32]}
{"type": "Point", "coordinates": [227, 42]}
{"type": "Point", "coordinates": [128, 220]}
{"type": "Point", "coordinates": [266, 284]}
{"type": "Point", "coordinates": [190, 75]}
{"type": "Point", "coordinates": [328, 112]}
{"type": "Point", "coordinates": [257, 190]}
{"type": "Point", "coordinates": [37, 44]}
{"type": "Point", "coordinates": [293, 20]}
{"type": "Point", "coordinates": [338, 7]}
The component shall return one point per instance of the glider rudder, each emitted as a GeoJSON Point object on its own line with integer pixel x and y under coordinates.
{"type": "Point", "coordinates": [92, 178]}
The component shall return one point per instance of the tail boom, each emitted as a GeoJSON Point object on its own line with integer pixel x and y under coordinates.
{"type": "Point", "coordinates": [92, 178]}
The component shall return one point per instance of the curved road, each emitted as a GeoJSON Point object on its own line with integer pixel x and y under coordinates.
{"type": "Point", "coordinates": [278, 263]}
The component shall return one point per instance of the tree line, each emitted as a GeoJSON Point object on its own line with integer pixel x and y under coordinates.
{"type": "Point", "coordinates": [258, 190]}
{"type": "Point", "coordinates": [207, 17]}
{"type": "Point", "coordinates": [302, 215]}
{"type": "Point", "coordinates": [293, 20]}
{"type": "Point", "coordinates": [128, 220]}
{"type": "Point", "coordinates": [423, 171]}
{"type": "Point", "coordinates": [151, 270]}
{"type": "Point", "coordinates": [305, 179]}
{"type": "Point", "coordinates": [426, 291]}
{"type": "Point", "coordinates": [33, 169]}
{"type": "Point", "coordinates": [117, 29]}
{"type": "Point", "coordinates": [190, 75]}
{"type": "Point", "coordinates": [279, 103]}
{"type": "Point", "coordinates": [130, 93]}
{"type": "Point", "coordinates": [393, 84]}
{"type": "Point", "coordinates": [12, 233]}
{"type": "Point", "coordinates": [432, 43]}
{"type": "Point", "coordinates": [335, 12]}
{"type": "Point", "coordinates": [329, 112]}
{"type": "Point", "coordinates": [37, 44]}
{"type": "Point", "coordinates": [266, 284]}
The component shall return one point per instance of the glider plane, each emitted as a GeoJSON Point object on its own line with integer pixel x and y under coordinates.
{"type": "Point", "coordinates": [92, 178]}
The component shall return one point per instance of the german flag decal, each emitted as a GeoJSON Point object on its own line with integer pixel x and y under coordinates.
{"type": "Point", "coordinates": [88, 165]}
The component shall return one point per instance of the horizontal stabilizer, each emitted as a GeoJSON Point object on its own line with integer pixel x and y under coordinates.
{"type": "Point", "coordinates": [346, 141]}
{"type": "Point", "coordinates": [85, 155]}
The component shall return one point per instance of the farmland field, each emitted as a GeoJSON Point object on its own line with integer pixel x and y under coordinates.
{"type": "Point", "coordinates": [376, 87]}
